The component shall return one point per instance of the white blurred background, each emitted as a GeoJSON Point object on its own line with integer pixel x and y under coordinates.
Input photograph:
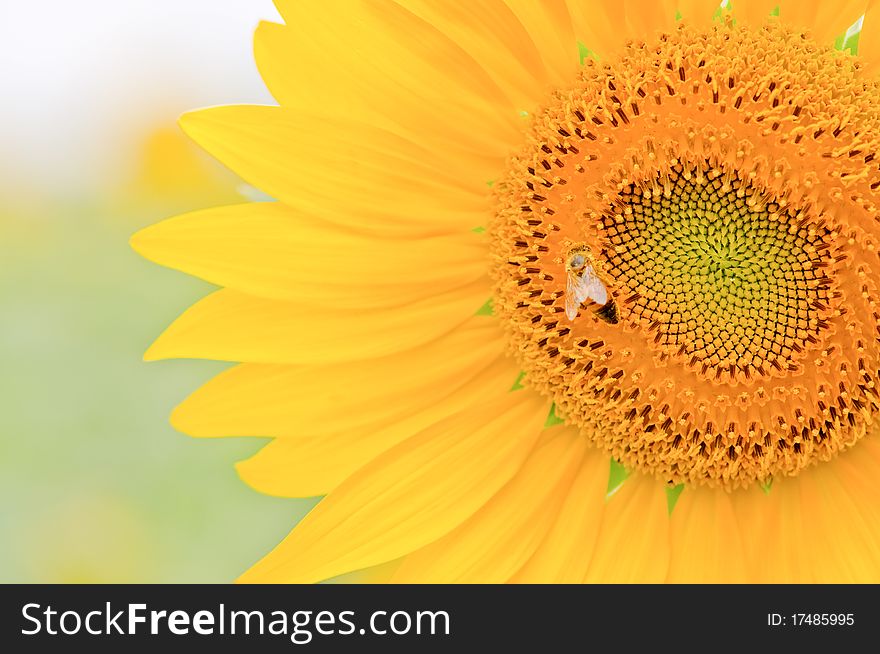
{"type": "Point", "coordinates": [83, 79]}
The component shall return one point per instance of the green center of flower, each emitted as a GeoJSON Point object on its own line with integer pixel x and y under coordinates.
{"type": "Point", "coordinates": [718, 272]}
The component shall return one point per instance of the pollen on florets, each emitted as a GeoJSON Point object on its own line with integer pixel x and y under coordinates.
{"type": "Point", "coordinates": [726, 185]}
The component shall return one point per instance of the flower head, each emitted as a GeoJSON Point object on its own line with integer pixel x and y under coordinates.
{"type": "Point", "coordinates": [656, 225]}
{"type": "Point", "coordinates": [727, 199]}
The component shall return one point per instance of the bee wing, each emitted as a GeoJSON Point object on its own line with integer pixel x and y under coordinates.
{"type": "Point", "coordinates": [583, 286]}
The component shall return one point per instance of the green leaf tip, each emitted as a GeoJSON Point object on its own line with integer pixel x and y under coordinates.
{"type": "Point", "coordinates": [517, 385]}
{"type": "Point", "coordinates": [553, 418]}
{"type": "Point", "coordinates": [616, 476]}
{"type": "Point", "coordinates": [672, 493]}
{"type": "Point", "coordinates": [585, 53]}
{"type": "Point", "coordinates": [767, 485]}
{"type": "Point", "coordinates": [849, 40]}
{"type": "Point", "coordinates": [486, 309]}
{"type": "Point", "coordinates": [722, 11]}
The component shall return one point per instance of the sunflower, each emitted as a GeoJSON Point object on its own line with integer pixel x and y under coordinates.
{"type": "Point", "coordinates": [559, 291]}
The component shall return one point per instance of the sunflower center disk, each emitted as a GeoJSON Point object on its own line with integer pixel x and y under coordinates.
{"type": "Point", "coordinates": [733, 285]}
{"type": "Point", "coordinates": [720, 189]}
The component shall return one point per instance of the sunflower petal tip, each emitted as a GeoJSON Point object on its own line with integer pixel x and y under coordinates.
{"type": "Point", "coordinates": [245, 578]}
{"type": "Point", "coordinates": [252, 577]}
{"type": "Point", "coordinates": [149, 356]}
{"type": "Point", "coordinates": [243, 469]}
{"type": "Point", "coordinates": [142, 241]}
{"type": "Point", "coordinates": [180, 419]}
{"type": "Point", "coordinates": [192, 122]}
{"type": "Point", "coordinates": [266, 25]}
{"type": "Point", "coordinates": [135, 240]}
{"type": "Point", "coordinates": [261, 573]}
{"type": "Point", "coordinates": [187, 118]}
{"type": "Point", "coordinates": [157, 351]}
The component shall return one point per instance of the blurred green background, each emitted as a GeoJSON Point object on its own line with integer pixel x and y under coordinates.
{"type": "Point", "coordinates": [96, 486]}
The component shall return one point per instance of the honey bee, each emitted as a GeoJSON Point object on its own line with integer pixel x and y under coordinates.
{"type": "Point", "coordinates": [584, 284]}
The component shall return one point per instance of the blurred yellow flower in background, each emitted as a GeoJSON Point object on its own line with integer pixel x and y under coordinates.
{"type": "Point", "coordinates": [171, 171]}
{"type": "Point", "coordinates": [428, 156]}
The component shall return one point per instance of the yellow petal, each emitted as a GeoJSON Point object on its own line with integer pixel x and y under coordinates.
{"type": "Point", "coordinates": [418, 45]}
{"type": "Point", "coordinates": [564, 555]}
{"type": "Point", "coordinates": [411, 495]}
{"type": "Point", "coordinates": [549, 24]}
{"type": "Point", "coordinates": [843, 506]}
{"type": "Point", "coordinates": [597, 25]}
{"type": "Point", "coordinates": [633, 541]}
{"type": "Point", "coordinates": [825, 20]}
{"type": "Point", "coordinates": [495, 542]}
{"type": "Point", "coordinates": [381, 62]}
{"type": "Point", "coordinates": [822, 526]}
{"type": "Point", "coordinates": [753, 12]}
{"type": "Point", "coordinates": [232, 326]}
{"type": "Point", "coordinates": [356, 396]}
{"type": "Point", "coordinates": [706, 539]}
{"type": "Point", "coordinates": [494, 36]}
{"type": "Point", "coordinates": [647, 19]}
{"type": "Point", "coordinates": [604, 26]}
{"type": "Point", "coordinates": [773, 533]}
{"type": "Point", "coordinates": [377, 574]}
{"type": "Point", "coordinates": [698, 12]}
{"type": "Point", "coordinates": [346, 171]}
{"type": "Point", "coordinates": [304, 466]}
{"type": "Point", "coordinates": [869, 39]}
{"type": "Point", "coordinates": [264, 249]}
